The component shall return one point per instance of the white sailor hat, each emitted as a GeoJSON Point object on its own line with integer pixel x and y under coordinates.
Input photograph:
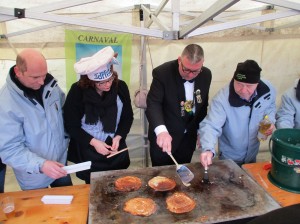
{"type": "Point", "coordinates": [97, 67]}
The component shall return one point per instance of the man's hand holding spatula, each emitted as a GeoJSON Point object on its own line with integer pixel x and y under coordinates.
{"type": "Point", "coordinates": [164, 141]}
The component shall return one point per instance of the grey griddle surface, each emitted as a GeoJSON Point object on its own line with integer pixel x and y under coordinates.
{"type": "Point", "coordinates": [231, 195]}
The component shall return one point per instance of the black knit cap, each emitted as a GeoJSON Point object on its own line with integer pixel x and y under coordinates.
{"type": "Point", "coordinates": [248, 72]}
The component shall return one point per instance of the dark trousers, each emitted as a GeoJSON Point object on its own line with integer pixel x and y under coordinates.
{"type": "Point", "coordinates": [2, 178]}
{"type": "Point", "coordinates": [63, 181]}
{"type": "Point", "coordinates": [183, 153]}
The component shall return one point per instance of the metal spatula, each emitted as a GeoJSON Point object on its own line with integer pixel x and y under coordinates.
{"type": "Point", "coordinates": [183, 172]}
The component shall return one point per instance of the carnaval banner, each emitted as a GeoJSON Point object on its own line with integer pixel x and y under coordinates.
{"type": "Point", "coordinates": [79, 44]}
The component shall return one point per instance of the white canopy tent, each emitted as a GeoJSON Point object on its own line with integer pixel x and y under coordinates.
{"type": "Point", "coordinates": [203, 12]}
{"type": "Point", "coordinates": [230, 31]}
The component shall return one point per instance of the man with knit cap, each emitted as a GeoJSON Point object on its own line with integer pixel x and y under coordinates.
{"type": "Point", "coordinates": [234, 116]}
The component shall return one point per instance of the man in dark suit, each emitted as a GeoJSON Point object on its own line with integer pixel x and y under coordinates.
{"type": "Point", "coordinates": [176, 103]}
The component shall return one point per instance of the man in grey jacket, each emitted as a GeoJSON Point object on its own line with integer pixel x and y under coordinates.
{"type": "Point", "coordinates": [288, 114]}
{"type": "Point", "coordinates": [234, 116]}
{"type": "Point", "coordinates": [32, 137]}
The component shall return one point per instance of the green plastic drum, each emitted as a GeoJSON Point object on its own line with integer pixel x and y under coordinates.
{"type": "Point", "coordinates": [285, 171]}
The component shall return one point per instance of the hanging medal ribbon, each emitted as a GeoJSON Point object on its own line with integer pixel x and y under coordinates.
{"type": "Point", "coordinates": [182, 108]}
{"type": "Point", "coordinates": [198, 96]}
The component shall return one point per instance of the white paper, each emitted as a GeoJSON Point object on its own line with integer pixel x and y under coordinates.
{"type": "Point", "coordinates": [57, 199]}
{"type": "Point", "coordinates": [78, 167]}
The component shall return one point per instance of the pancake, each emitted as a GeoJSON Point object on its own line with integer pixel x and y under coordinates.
{"type": "Point", "coordinates": [140, 206]}
{"type": "Point", "coordinates": [160, 183]}
{"type": "Point", "coordinates": [128, 183]}
{"type": "Point", "coordinates": [180, 203]}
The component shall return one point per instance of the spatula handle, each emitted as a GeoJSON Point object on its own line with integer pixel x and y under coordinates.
{"type": "Point", "coordinates": [172, 157]}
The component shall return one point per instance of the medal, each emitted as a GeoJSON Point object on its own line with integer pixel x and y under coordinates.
{"type": "Point", "coordinates": [198, 96]}
{"type": "Point", "coordinates": [182, 108]}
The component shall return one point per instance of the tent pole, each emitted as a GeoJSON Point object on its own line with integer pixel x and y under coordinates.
{"type": "Point", "coordinates": [143, 85]}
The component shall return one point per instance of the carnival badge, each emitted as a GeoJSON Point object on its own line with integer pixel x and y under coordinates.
{"type": "Point", "coordinates": [198, 96]}
{"type": "Point", "coordinates": [188, 106]}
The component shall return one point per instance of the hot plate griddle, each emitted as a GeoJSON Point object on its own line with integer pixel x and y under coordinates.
{"type": "Point", "coordinates": [231, 195]}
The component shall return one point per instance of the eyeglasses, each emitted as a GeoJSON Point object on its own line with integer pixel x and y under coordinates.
{"type": "Point", "coordinates": [187, 71]}
{"type": "Point", "coordinates": [107, 81]}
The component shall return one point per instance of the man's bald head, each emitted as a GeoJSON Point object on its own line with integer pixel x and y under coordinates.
{"type": "Point", "coordinates": [28, 58]}
{"type": "Point", "coordinates": [31, 68]}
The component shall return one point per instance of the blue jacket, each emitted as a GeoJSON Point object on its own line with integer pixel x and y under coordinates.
{"type": "Point", "coordinates": [235, 123]}
{"type": "Point", "coordinates": [288, 114]}
{"type": "Point", "coordinates": [30, 133]}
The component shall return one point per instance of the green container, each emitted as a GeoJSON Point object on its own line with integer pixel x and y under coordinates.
{"type": "Point", "coordinates": [285, 171]}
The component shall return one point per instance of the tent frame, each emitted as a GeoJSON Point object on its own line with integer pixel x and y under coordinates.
{"type": "Point", "coordinates": [194, 28]}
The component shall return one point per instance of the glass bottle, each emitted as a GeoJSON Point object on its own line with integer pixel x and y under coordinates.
{"type": "Point", "coordinates": [264, 125]}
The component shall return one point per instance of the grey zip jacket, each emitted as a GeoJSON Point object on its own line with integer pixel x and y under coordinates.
{"type": "Point", "coordinates": [30, 133]}
{"type": "Point", "coordinates": [288, 114]}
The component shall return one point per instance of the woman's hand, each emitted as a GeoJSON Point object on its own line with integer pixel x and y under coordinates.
{"type": "Point", "coordinates": [116, 143]}
{"type": "Point", "coordinates": [101, 147]}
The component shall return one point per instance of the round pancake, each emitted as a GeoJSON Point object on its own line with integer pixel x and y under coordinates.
{"type": "Point", "coordinates": [128, 183]}
{"type": "Point", "coordinates": [140, 206]}
{"type": "Point", "coordinates": [180, 203]}
{"type": "Point", "coordinates": [160, 183]}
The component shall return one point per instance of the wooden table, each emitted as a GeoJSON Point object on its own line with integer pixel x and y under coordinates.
{"type": "Point", "coordinates": [30, 209]}
{"type": "Point", "coordinates": [259, 174]}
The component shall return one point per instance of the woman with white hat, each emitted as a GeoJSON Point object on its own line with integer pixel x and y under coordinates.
{"type": "Point", "coordinates": [98, 115]}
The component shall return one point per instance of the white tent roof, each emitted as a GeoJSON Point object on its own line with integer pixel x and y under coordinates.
{"type": "Point", "coordinates": [164, 19]}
